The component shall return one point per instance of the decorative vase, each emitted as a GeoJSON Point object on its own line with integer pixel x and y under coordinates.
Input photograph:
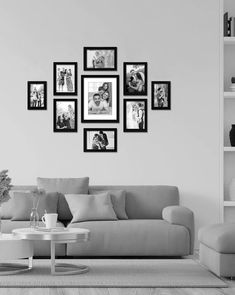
{"type": "Point", "coordinates": [34, 218]}
{"type": "Point", "coordinates": [231, 190]}
{"type": "Point", "coordinates": [232, 135]}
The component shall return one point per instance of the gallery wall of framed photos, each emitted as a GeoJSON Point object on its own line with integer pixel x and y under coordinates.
{"type": "Point", "coordinates": [100, 97]}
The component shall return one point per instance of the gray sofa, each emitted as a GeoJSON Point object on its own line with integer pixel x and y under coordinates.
{"type": "Point", "coordinates": [156, 226]}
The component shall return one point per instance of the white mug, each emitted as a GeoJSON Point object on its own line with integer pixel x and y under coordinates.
{"type": "Point", "coordinates": [50, 219]}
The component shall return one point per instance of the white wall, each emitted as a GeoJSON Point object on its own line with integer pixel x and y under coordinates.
{"type": "Point", "coordinates": [180, 41]}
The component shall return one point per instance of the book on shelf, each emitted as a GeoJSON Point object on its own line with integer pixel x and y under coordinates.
{"type": "Point", "coordinates": [226, 24]}
{"type": "Point", "coordinates": [229, 25]}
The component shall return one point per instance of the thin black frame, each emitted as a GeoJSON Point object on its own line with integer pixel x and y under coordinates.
{"type": "Point", "coordinates": [75, 112]}
{"type": "Point", "coordinates": [75, 92]}
{"type": "Point", "coordinates": [169, 95]}
{"type": "Point", "coordinates": [125, 129]}
{"type": "Point", "coordinates": [125, 93]}
{"type": "Point", "coordinates": [83, 77]}
{"type": "Point", "coordinates": [86, 150]}
{"type": "Point", "coordinates": [85, 49]}
{"type": "Point", "coordinates": [45, 95]}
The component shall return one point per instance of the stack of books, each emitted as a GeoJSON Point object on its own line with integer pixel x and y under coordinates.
{"type": "Point", "coordinates": [229, 25]}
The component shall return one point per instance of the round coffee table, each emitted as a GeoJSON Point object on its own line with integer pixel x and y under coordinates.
{"type": "Point", "coordinates": [11, 248]}
{"type": "Point", "coordinates": [71, 235]}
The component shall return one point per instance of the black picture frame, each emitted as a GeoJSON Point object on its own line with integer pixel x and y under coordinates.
{"type": "Point", "coordinates": [125, 116]}
{"type": "Point", "coordinates": [154, 106]}
{"type": "Point", "coordinates": [62, 130]}
{"type": "Point", "coordinates": [95, 48]}
{"type": "Point", "coordinates": [100, 119]}
{"type": "Point", "coordinates": [87, 150]}
{"type": "Point", "coordinates": [29, 104]}
{"type": "Point", "coordinates": [127, 91]}
{"type": "Point", "coordinates": [55, 79]}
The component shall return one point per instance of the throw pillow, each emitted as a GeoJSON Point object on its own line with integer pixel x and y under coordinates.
{"type": "Point", "coordinates": [23, 203]}
{"type": "Point", "coordinates": [118, 198]}
{"type": "Point", "coordinates": [64, 186]}
{"type": "Point", "coordinates": [90, 207]}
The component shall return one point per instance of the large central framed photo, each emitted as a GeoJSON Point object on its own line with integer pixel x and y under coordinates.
{"type": "Point", "coordinates": [65, 115]}
{"type": "Point", "coordinates": [135, 78]}
{"type": "Point", "coordinates": [100, 99]}
{"type": "Point", "coordinates": [65, 78]}
{"type": "Point", "coordinates": [100, 140]}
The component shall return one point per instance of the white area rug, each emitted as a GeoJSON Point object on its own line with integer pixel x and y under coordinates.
{"type": "Point", "coordinates": [119, 273]}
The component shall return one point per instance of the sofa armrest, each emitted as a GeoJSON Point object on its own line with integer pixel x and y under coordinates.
{"type": "Point", "coordinates": [182, 216]}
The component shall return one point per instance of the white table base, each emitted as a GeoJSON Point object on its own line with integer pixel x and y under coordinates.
{"type": "Point", "coordinates": [15, 268]}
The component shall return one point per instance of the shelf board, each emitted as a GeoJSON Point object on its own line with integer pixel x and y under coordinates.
{"type": "Point", "coordinates": [229, 94]}
{"type": "Point", "coordinates": [229, 40]}
{"type": "Point", "coordinates": [229, 203]}
{"type": "Point", "coordinates": [229, 149]}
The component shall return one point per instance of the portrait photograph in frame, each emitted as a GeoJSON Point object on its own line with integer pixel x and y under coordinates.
{"type": "Point", "coordinates": [100, 58]}
{"type": "Point", "coordinates": [100, 140]}
{"type": "Point", "coordinates": [65, 115]}
{"type": "Point", "coordinates": [161, 95]}
{"type": "Point", "coordinates": [100, 99]}
{"type": "Point", "coordinates": [135, 78]}
{"type": "Point", "coordinates": [36, 95]}
{"type": "Point", "coordinates": [65, 78]}
{"type": "Point", "coordinates": [135, 115]}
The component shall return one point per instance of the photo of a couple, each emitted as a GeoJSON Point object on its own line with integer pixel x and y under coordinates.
{"type": "Point", "coordinates": [100, 140]}
{"type": "Point", "coordinates": [161, 95]}
{"type": "Point", "coordinates": [100, 58]}
{"type": "Point", "coordinates": [65, 79]}
{"type": "Point", "coordinates": [135, 79]}
{"type": "Point", "coordinates": [65, 115]}
{"type": "Point", "coordinates": [135, 115]}
{"type": "Point", "coordinates": [99, 98]}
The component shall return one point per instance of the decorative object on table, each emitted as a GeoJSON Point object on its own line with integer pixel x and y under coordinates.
{"type": "Point", "coordinates": [65, 78]}
{"type": "Point", "coordinates": [135, 78]}
{"type": "Point", "coordinates": [5, 187]}
{"type": "Point", "coordinates": [161, 95]}
{"type": "Point", "coordinates": [232, 135]}
{"type": "Point", "coordinates": [65, 115]}
{"type": "Point", "coordinates": [50, 220]}
{"type": "Point", "coordinates": [37, 95]}
{"type": "Point", "coordinates": [232, 86]}
{"type": "Point", "coordinates": [135, 115]}
{"type": "Point", "coordinates": [100, 99]}
{"type": "Point", "coordinates": [34, 216]}
{"type": "Point", "coordinates": [231, 190]}
{"type": "Point", "coordinates": [100, 140]}
{"type": "Point", "coordinates": [100, 58]}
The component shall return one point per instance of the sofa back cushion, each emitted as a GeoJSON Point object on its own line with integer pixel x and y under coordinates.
{"type": "Point", "coordinates": [145, 201]}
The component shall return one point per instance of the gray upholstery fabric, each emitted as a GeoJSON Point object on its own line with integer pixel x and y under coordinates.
{"type": "Point", "coordinates": [145, 202]}
{"type": "Point", "coordinates": [181, 216]}
{"type": "Point", "coordinates": [220, 237]}
{"type": "Point", "coordinates": [64, 186]}
{"type": "Point", "coordinates": [118, 198]}
{"type": "Point", "coordinates": [41, 248]}
{"type": "Point", "coordinates": [219, 263]}
{"type": "Point", "coordinates": [132, 238]}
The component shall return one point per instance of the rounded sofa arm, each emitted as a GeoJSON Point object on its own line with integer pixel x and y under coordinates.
{"type": "Point", "coordinates": [182, 216]}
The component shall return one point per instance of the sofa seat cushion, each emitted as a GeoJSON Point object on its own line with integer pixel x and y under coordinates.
{"type": "Point", "coordinates": [132, 238]}
{"type": "Point", "coordinates": [220, 237]}
{"type": "Point", "coordinates": [41, 248]}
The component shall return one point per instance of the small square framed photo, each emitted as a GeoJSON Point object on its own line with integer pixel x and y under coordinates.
{"type": "Point", "coordinates": [37, 95]}
{"type": "Point", "coordinates": [65, 115]}
{"type": "Point", "coordinates": [100, 140]}
{"type": "Point", "coordinates": [65, 78]}
{"type": "Point", "coordinates": [135, 78]}
{"type": "Point", "coordinates": [100, 58]}
{"type": "Point", "coordinates": [100, 99]}
{"type": "Point", "coordinates": [161, 95]}
{"type": "Point", "coordinates": [135, 115]}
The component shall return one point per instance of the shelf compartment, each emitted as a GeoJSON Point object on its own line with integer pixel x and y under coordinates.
{"type": "Point", "coordinates": [229, 40]}
{"type": "Point", "coordinates": [229, 203]}
{"type": "Point", "coordinates": [229, 94]}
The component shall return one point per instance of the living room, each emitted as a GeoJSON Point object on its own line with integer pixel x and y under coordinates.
{"type": "Point", "coordinates": [116, 119]}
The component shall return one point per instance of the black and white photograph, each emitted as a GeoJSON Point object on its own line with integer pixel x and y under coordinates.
{"type": "Point", "coordinates": [135, 115]}
{"type": "Point", "coordinates": [161, 95]}
{"type": "Point", "coordinates": [37, 95]}
{"type": "Point", "coordinates": [100, 99]}
{"type": "Point", "coordinates": [135, 78]}
{"type": "Point", "coordinates": [100, 140]}
{"type": "Point", "coordinates": [65, 115]}
{"type": "Point", "coordinates": [65, 78]}
{"type": "Point", "coordinates": [100, 58]}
